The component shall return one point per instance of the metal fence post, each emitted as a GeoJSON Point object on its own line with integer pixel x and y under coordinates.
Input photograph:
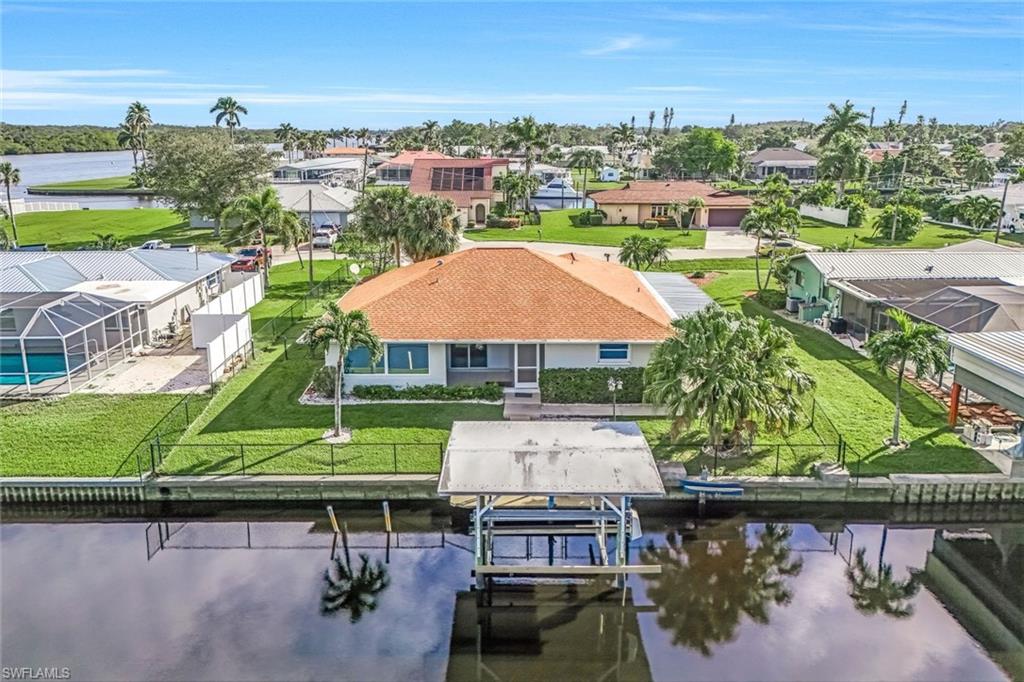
{"type": "Point", "coordinates": [440, 456]}
{"type": "Point", "coordinates": [839, 450]}
{"type": "Point", "coordinates": [332, 459]}
{"type": "Point", "coordinates": [714, 471]}
{"type": "Point", "coordinates": [394, 455]}
{"type": "Point", "coordinates": [152, 459]}
{"type": "Point", "coordinates": [159, 454]}
{"type": "Point", "coordinates": [777, 449]}
{"type": "Point", "coordinates": [241, 450]}
{"type": "Point", "coordinates": [814, 404]}
{"type": "Point", "coordinates": [187, 420]}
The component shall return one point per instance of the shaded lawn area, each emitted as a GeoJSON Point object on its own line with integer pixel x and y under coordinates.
{"type": "Point", "coordinates": [289, 282]}
{"type": "Point", "coordinates": [852, 392]}
{"type": "Point", "coordinates": [119, 182]}
{"type": "Point", "coordinates": [559, 226]}
{"type": "Point", "coordinates": [78, 435]}
{"type": "Point", "coordinates": [931, 236]}
{"type": "Point", "coordinates": [73, 229]}
{"type": "Point", "coordinates": [257, 413]}
{"type": "Point", "coordinates": [708, 265]}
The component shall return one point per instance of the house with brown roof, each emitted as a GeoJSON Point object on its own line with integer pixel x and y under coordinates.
{"type": "Point", "coordinates": [469, 183]}
{"type": "Point", "coordinates": [647, 199]}
{"type": "Point", "coordinates": [503, 314]}
{"type": "Point", "coordinates": [398, 169]}
{"type": "Point", "coordinates": [793, 163]}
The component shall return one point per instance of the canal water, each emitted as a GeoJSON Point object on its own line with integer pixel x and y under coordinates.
{"type": "Point", "coordinates": [43, 169]}
{"type": "Point", "coordinates": [274, 595]}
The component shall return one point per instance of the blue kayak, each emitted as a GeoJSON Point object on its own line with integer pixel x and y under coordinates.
{"type": "Point", "coordinates": [697, 486]}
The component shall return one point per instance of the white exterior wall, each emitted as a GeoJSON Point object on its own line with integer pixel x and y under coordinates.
{"type": "Point", "coordinates": [574, 355]}
{"type": "Point", "coordinates": [830, 214]}
{"type": "Point", "coordinates": [437, 370]}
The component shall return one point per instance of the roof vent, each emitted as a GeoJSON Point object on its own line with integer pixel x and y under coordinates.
{"type": "Point", "coordinates": [929, 268]}
{"type": "Point", "coordinates": [439, 263]}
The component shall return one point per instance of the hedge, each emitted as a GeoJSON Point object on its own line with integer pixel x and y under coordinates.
{"type": "Point", "coordinates": [590, 385]}
{"type": "Point", "coordinates": [488, 391]}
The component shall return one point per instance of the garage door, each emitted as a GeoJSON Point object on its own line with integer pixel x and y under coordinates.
{"type": "Point", "coordinates": [725, 217]}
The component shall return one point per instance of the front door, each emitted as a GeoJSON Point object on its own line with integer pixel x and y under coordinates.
{"type": "Point", "coordinates": [527, 365]}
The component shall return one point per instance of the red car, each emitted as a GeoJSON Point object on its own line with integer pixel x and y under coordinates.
{"type": "Point", "coordinates": [251, 258]}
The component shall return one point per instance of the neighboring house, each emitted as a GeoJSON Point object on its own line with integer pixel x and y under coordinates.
{"type": "Point", "coordinates": [879, 155]}
{"type": "Point", "coordinates": [331, 205]}
{"type": "Point", "coordinates": [993, 151]}
{"type": "Point", "coordinates": [398, 169]}
{"type": "Point", "coordinates": [344, 168]}
{"type": "Point", "coordinates": [469, 183]}
{"type": "Point", "coordinates": [504, 314]}
{"type": "Point", "coordinates": [350, 152]}
{"type": "Point", "coordinates": [1013, 215]}
{"type": "Point", "coordinates": [545, 172]}
{"type": "Point", "coordinates": [643, 200]}
{"type": "Point", "coordinates": [793, 163]}
{"type": "Point", "coordinates": [609, 174]}
{"type": "Point", "coordinates": [971, 287]}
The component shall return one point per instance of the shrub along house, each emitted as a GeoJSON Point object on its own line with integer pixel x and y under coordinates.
{"type": "Point", "coordinates": [506, 315]}
{"type": "Point", "coordinates": [652, 199]}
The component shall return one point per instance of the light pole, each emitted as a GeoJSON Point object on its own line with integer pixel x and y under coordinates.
{"type": "Point", "coordinates": [614, 386]}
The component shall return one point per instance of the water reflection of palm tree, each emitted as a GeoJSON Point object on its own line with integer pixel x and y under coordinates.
{"type": "Point", "coordinates": [706, 587]}
{"type": "Point", "coordinates": [877, 591]}
{"type": "Point", "coordinates": [353, 591]}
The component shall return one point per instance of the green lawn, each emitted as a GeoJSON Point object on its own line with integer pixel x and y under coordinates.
{"type": "Point", "coordinates": [78, 435]}
{"type": "Point", "coordinates": [257, 414]}
{"type": "Point", "coordinates": [118, 183]}
{"type": "Point", "coordinates": [558, 226]}
{"type": "Point", "coordinates": [289, 282]}
{"type": "Point", "coordinates": [931, 236]}
{"type": "Point", "coordinates": [708, 265]}
{"type": "Point", "coordinates": [73, 229]}
{"type": "Point", "coordinates": [592, 184]}
{"type": "Point", "coordinates": [854, 395]}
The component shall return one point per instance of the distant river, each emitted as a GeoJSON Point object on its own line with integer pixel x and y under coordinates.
{"type": "Point", "coordinates": [42, 169]}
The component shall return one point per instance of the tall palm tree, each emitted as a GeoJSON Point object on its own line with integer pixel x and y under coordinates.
{"type": "Point", "coordinates": [727, 372]}
{"type": "Point", "coordinates": [517, 187]}
{"type": "Point", "coordinates": [430, 134]}
{"type": "Point", "coordinates": [317, 142]}
{"type": "Point", "coordinates": [430, 230]}
{"type": "Point", "coordinates": [877, 591]}
{"type": "Point", "coordinates": [694, 205]}
{"type": "Point", "coordinates": [10, 175]}
{"type": "Point", "coordinates": [335, 135]}
{"type": "Point", "coordinates": [129, 138]}
{"type": "Point", "coordinates": [139, 120]}
{"type": "Point", "coordinates": [909, 342]}
{"type": "Point", "coordinates": [258, 216]}
{"type": "Point", "coordinates": [529, 136]}
{"type": "Point", "coordinates": [382, 215]}
{"type": "Point", "coordinates": [844, 119]}
{"type": "Point", "coordinates": [979, 211]}
{"type": "Point", "coordinates": [843, 160]}
{"type": "Point", "coordinates": [353, 591]}
{"type": "Point", "coordinates": [286, 134]}
{"type": "Point", "coordinates": [642, 253]}
{"type": "Point", "coordinates": [230, 112]}
{"type": "Point", "coordinates": [587, 161]}
{"type": "Point", "coordinates": [621, 138]}
{"type": "Point", "coordinates": [345, 331]}
{"type": "Point", "coordinates": [769, 221]}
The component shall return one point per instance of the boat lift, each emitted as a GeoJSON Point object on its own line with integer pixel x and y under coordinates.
{"type": "Point", "coordinates": [551, 478]}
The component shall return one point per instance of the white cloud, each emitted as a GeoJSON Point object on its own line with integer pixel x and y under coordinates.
{"type": "Point", "coordinates": [620, 44]}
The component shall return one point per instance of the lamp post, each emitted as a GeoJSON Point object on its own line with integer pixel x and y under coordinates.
{"type": "Point", "coordinates": [614, 386]}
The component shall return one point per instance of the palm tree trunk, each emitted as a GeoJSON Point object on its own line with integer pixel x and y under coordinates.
{"type": "Point", "coordinates": [757, 261]}
{"type": "Point", "coordinates": [265, 265]}
{"type": "Point", "coordinates": [398, 253]}
{"type": "Point", "coordinates": [216, 227]}
{"type": "Point", "coordinates": [10, 211]}
{"type": "Point", "coordinates": [583, 204]}
{"type": "Point", "coordinates": [135, 159]}
{"type": "Point", "coordinates": [339, 370]}
{"type": "Point", "coordinates": [899, 392]}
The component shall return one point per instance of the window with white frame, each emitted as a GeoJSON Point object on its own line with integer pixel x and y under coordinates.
{"type": "Point", "coordinates": [613, 352]}
{"type": "Point", "coordinates": [469, 356]}
{"type": "Point", "coordinates": [659, 211]}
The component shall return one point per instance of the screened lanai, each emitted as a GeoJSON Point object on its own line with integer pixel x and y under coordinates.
{"type": "Point", "coordinates": [54, 342]}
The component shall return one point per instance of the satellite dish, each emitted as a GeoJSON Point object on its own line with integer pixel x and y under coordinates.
{"type": "Point", "coordinates": [354, 268]}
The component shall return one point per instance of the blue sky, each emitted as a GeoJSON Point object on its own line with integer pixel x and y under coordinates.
{"type": "Point", "coordinates": [328, 64]}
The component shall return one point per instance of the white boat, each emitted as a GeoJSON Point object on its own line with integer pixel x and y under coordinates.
{"type": "Point", "coordinates": [557, 188]}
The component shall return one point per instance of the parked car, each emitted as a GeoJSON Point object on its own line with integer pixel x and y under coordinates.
{"type": "Point", "coordinates": [324, 238]}
{"type": "Point", "coordinates": [251, 258]}
{"type": "Point", "coordinates": [154, 244]}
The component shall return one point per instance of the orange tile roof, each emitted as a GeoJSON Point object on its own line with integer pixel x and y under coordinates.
{"type": "Point", "coordinates": [346, 151]}
{"type": "Point", "coordinates": [419, 181]}
{"type": "Point", "coordinates": [409, 156]}
{"type": "Point", "coordinates": [878, 155]}
{"type": "Point", "coordinates": [510, 294]}
{"type": "Point", "coordinates": [668, 191]}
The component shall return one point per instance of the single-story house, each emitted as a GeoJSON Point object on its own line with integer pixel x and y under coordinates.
{"type": "Point", "coordinates": [966, 288]}
{"type": "Point", "coordinates": [642, 200]}
{"type": "Point", "coordinates": [398, 169]}
{"type": "Point", "coordinates": [322, 169]}
{"type": "Point", "coordinates": [353, 152]}
{"type": "Point", "coordinates": [469, 183]}
{"type": "Point", "coordinates": [1013, 214]}
{"type": "Point", "coordinates": [331, 205]}
{"type": "Point", "coordinates": [504, 314]}
{"type": "Point", "coordinates": [609, 174]}
{"type": "Point", "coordinates": [793, 163]}
{"type": "Point", "coordinates": [62, 313]}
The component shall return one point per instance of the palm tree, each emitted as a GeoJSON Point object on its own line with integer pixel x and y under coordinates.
{"type": "Point", "coordinates": [345, 134]}
{"type": "Point", "coordinates": [139, 120]}
{"type": "Point", "coordinates": [878, 592]}
{"type": "Point", "coordinates": [979, 211]}
{"type": "Point", "coordinates": [694, 205]}
{"type": "Point", "coordinates": [529, 136]}
{"type": "Point", "coordinates": [587, 161]}
{"type": "Point", "coordinates": [727, 372]}
{"type": "Point", "coordinates": [891, 130]}
{"type": "Point", "coordinates": [353, 591]}
{"type": "Point", "coordinates": [918, 343]}
{"type": "Point", "coordinates": [430, 229]}
{"type": "Point", "coordinates": [641, 253]}
{"type": "Point", "coordinates": [287, 135]}
{"type": "Point", "coordinates": [363, 135]}
{"type": "Point", "coordinates": [10, 175]}
{"type": "Point", "coordinates": [129, 138]}
{"type": "Point", "coordinates": [518, 186]}
{"type": "Point", "coordinates": [844, 119]}
{"type": "Point", "coordinates": [843, 160]}
{"type": "Point", "coordinates": [621, 138]}
{"type": "Point", "coordinates": [343, 331]}
{"type": "Point", "coordinates": [710, 579]}
{"type": "Point", "coordinates": [382, 215]}
{"type": "Point", "coordinates": [769, 221]}
{"type": "Point", "coordinates": [316, 141]}
{"type": "Point", "coordinates": [229, 111]}
{"type": "Point", "coordinates": [259, 215]}
{"type": "Point", "coordinates": [335, 135]}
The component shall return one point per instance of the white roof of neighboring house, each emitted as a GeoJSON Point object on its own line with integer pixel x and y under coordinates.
{"type": "Point", "coordinates": [876, 264]}
{"type": "Point", "coordinates": [62, 270]}
{"type": "Point", "coordinates": [339, 163]}
{"type": "Point", "coordinates": [680, 296]}
{"type": "Point", "coordinates": [976, 246]}
{"type": "Point", "coordinates": [139, 291]}
{"type": "Point", "coordinates": [325, 199]}
{"type": "Point", "coordinates": [1014, 195]}
{"type": "Point", "coordinates": [784, 156]}
{"type": "Point", "coordinates": [1003, 349]}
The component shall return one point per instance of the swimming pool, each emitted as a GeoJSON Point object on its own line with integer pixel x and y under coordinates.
{"type": "Point", "coordinates": [41, 366]}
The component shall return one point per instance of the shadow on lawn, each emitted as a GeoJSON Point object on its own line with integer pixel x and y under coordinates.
{"type": "Point", "coordinates": [925, 454]}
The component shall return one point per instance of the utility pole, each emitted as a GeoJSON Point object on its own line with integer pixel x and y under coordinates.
{"type": "Point", "coordinates": [310, 198]}
{"type": "Point", "coordinates": [1002, 209]}
{"type": "Point", "coordinates": [896, 213]}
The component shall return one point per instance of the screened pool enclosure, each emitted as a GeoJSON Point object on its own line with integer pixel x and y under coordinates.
{"type": "Point", "coordinates": [55, 342]}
